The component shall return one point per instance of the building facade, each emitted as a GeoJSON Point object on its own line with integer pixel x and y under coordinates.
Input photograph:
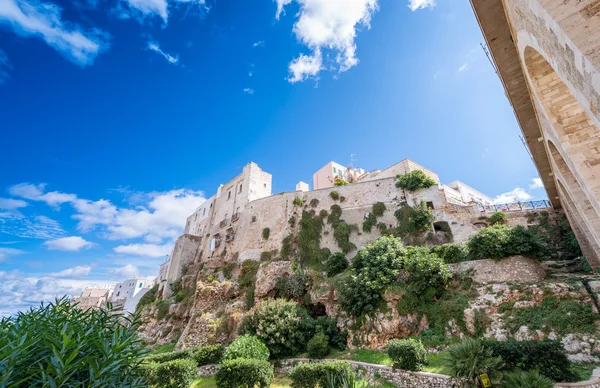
{"type": "Point", "coordinates": [547, 54]}
{"type": "Point", "coordinates": [128, 292]}
{"type": "Point", "coordinates": [465, 194]}
{"type": "Point", "coordinates": [93, 298]}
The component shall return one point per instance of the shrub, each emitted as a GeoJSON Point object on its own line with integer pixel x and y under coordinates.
{"type": "Point", "coordinates": [162, 309]}
{"type": "Point", "coordinates": [521, 379]}
{"type": "Point", "coordinates": [310, 375]}
{"type": "Point", "coordinates": [498, 218]}
{"type": "Point", "coordinates": [184, 295]}
{"type": "Point", "coordinates": [206, 355]}
{"type": "Point", "coordinates": [451, 253]}
{"type": "Point", "coordinates": [314, 202]}
{"type": "Point", "coordinates": [266, 233]}
{"type": "Point", "coordinates": [298, 201]}
{"type": "Point", "coordinates": [169, 356]}
{"type": "Point", "coordinates": [414, 180]}
{"type": "Point", "coordinates": [342, 198]}
{"type": "Point", "coordinates": [369, 222]}
{"type": "Point", "coordinates": [57, 344]}
{"type": "Point", "coordinates": [407, 354]}
{"type": "Point", "coordinates": [246, 346]}
{"type": "Point", "coordinates": [279, 324]}
{"type": "Point", "coordinates": [337, 338]}
{"type": "Point", "coordinates": [334, 195]}
{"type": "Point", "coordinates": [379, 208]}
{"type": "Point", "coordinates": [466, 359]}
{"type": "Point", "coordinates": [500, 241]}
{"type": "Point", "coordinates": [339, 182]}
{"type": "Point", "coordinates": [547, 357]}
{"type": "Point", "coordinates": [171, 374]}
{"type": "Point", "coordinates": [242, 373]}
{"type": "Point", "coordinates": [293, 287]}
{"type": "Point", "coordinates": [413, 219]}
{"type": "Point", "coordinates": [148, 298]}
{"type": "Point", "coordinates": [335, 264]}
{"type": "Point", "coordinates": [347, 379]}
{"type": "Point", "coordinates": [309, 240]}
{"type": "Point", "coordinates": [318, 346]}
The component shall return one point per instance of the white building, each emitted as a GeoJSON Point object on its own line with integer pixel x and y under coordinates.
{"type": "Point", "coordinates": [129, 292]}
{"type": "Point", "coordinates": [464, 194]}
{"type": "Point", "coordinates": [93, 298]}
{"type": "Point", "coordinates": [327, 175]}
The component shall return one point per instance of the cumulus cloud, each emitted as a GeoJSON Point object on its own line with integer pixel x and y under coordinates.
{"type": "Point", "coordinates": [79, 271]}
{"type": "Point", "coordinates": [153, 46]}
{"type": "Point", "coordinates": [149, 250]}
{"type": "Point", "coordinates": [43, 19]}
{"type": "Point", "coordinates": [72, 244]}
{"type": "Point", "coordinates": [126, 272]}
{"type": "Point", "coordinates": [8, 252]}
{"type": "Point", "coordinates": [160, 8]}
{"type": "Point", "coordinates": [248, 91]}
{"type": "Point", "coordinates": [516, 195]}
{"type": "Point", "coordinates": [421, 4]}
{"type": "Point", "coordinates": [11, 203]}
{"type": "Point", "coordinates": [536, 183]}
{"type": "Point", "coordinates": [331, 26]}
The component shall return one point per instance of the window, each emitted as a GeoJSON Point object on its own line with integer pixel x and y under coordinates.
{"type": "Point", "coordinates": [430, 205]}
{"type": "Point", "coordinates": [118, 293]}
{"type": "Point", "coordinates": [204, 212]}
{"type": "Point", "coordinates": [265, 185]}
{"type": "Point", "coordinates": [195, 216]}
{"type": "Point", "coordinates": [140, 286]}
{"type": "Point", "coordinates": [211, 205]}
{"type": "Point", "coordinates": [240, 188]}
{"type": "Point", "coordinates": [229, 195]}
{"type": "Point", "coordinates": [334, 170]}
{"type": "Point", "coordinates": [253, 218]}
{"type": "Point", "coordinates": [237, 210]}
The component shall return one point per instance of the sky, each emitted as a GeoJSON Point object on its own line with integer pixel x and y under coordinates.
{"type": "Point", "coordinates": [118, 117]}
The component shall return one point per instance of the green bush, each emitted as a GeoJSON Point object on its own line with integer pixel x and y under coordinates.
{"type": "Point", "coordinates": [314, 202]}
{"type": "Point", "coordinates": [184, 295]}
{"type": "Point", "coordinates": [408, 354]}
{"type": "Point", "coordinates": [58, 344]}
{"type": "Point", "coordinates": [378, 209]}
{"type": "Point", "coordinates": [368, 224]}
{"type": "Point", "coordinates": [169, 356]}
{"type": "Point", "coordinates": [292, 287]}
{"type": "Point", "coordinates": [547, 357]}
{"type": "Point", "coordinates": [413, 219]}
{"type": "Point", "coordinates": [266, 233]}
{"type": "Point", "coordinates": [414, 180]}
{"type": "Point", "coordinates": [206, 355]}
{"type": "Point", "coordinates": [337, 338]}
{"type": "Point", "coordinates": [335, 264]}
{"type": "Point", "coordinates": [498, 218]}
{"type": "Point", "coordinates": [341, 234]}
{"type": "Point", "coordinates": [452, 253]}
{"type": "Point", "coordinates": [318, 346]}
{"type": "Point", "coordinates": [500, 241]}
{"type": "Point", "coordinates": [521, 379]}
{"type": "Point", "coordinates": [334, 195]}
{"type": "Point", "coordinates": [309, 240]}
{"type": "Point", "coordinates": [340, 182]}
{"type": "Point", "coordinates": [244, 373]}
{"type": "Point", "coordinates": [162, 309]}
{"type": "Point", "coordinates": [311, 375]}
{"type": "Point", "coordinates": [171, 374]}
{"type": "Point", "coordinates": [148, 298]}
{"type": "Point", "coordinates": [298, 201]}
{"type": "Point", "coordinates": [279, 324]}
{"type": "Point", "coordinates": [468, 358]}
{"type": "Point", "coordinates": [246, 346]}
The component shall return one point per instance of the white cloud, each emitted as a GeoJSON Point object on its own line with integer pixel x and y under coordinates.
{"type": "Point", "coordinates": [11, 204]}
{"type": "Point", "coordinates": [327, 25]}
{"type": "Point", "coordinates": [248, 90]}
{"type": "Point", "coordinates": [421, 4]}
{"type": "Point", "coordinates": [260, 43]}
{"type": "Point", "coordinates": [8, 252]}
{"type": "Point", "coordinates": [71, 244]}
{"type": "Point", "coordinates": [463, 67]}
{"type": "Point", "coordinates": [516, 195]}
{"type": "Point", "coordinates": [36, 193]}
{"type": "Point", "coordinates": [40, 227]}
{"type": "Point", "coordinates": [149, 250]}
{"type": "Point", "coordinates": [75, 272]}
{"type": "Point", "coordinates": [160, 8]}
{"type": "Point", "coordinates": [43, 20]}
{"type": "Point", "coordinates": [126, 272]}
{"type": "Point", "coordinates": [536, 183]}
{"type": "Point", "coordinates": [4, 67]}
{"type": "Point", "coordinates": [153, 46]}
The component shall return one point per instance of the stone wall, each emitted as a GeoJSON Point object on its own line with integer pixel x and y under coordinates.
{"type": "Point", "coordinates": [184, 254]}
{"type": "Point", "coordinates": [512, 269]}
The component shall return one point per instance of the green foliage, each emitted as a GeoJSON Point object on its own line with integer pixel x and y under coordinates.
{"type": "Point", "coordinates": [164, 348]}
{"type": "Point", "coordinates": [243, 373]}
{"type": "Point", "coordinates": [311, 375]}
{"type": "Point", "coordinates": [162, 309]}
{"type": "Point", "coordinates": [327, 325]}
{"type": "Point", "coordinates": [468, 358]}
{"type": "Point", "coordinates": [175, 286]}
{"type": "Point", "coordinates": [379, 265]}
{"type": "Point", "coordinates": [334, 216]}
{"type": "Point", "coordinates": [531, 379]}
{"type": "Point", "coordinates": [266, 233]}
{"type": "Point", "coordinates": [286, 247]}
{"type": "Point", "coordinates": [378, 209]}
{"type": "Point", "coordinates": [318, 346]}
{"type": "Point", "coordinates": [564, 316]}
{"type": "Point", "coordinates": [369, 222]}
{"type": "Point", "coordinates": [228, 269]}
{"type": "Point", "coordinates": [500, 241]}
{"type": "Point", "coordinates": [57, 344]}
{"type": "Point", "coordinates": [309, 242]}
{"type": "Point", "coordinates": [248, 273]}
{"type": "Point", "coordinates": [335, 264]}
{"type": "Point", "coordinates": [292, 221]}
{"type": "Point", "coordinates": [498, 218]}
{"type": "Point", "coordinates": [298, 201]}
{"type": "Point", "coordinates": [178, 373]}
{"type": "Point", "coordinates": [246, 346]}
{"type": "Point", "coordinates": [250, 297]}
{"type": "Point", "coordinates": [414, 180]}
{"type": "Point", "coordinates": [342, 198]}
{"type": "Point", "coordinates": [452, 253]}
{"type": "Point", "coordinates": [314, 202]}
{"type": "Point", "coordinates": [148, 298]}
{"type": "Point", "coordinates": [183, 296]}
{"type": "Point", "coordinates": [408, 354]}
{"type": "Point", "coordinates": [340, 182]}
{"type": "Point", "coordinates": [413, 219]}
{"type": "Point", "coordinates": [547, 357]}
{"type": "Point", "coordinates": [292, 287]}
{"type": "Point", "coordinates": [280, 324]}
{"type": "Point", "coordinates": [206, 355]}
{"type": "Point", "coordinates": [347, 379]}
{"type": "Point", "coordinates": [334, 195]}
{"type": "Point", "coordinates": [341, 234]}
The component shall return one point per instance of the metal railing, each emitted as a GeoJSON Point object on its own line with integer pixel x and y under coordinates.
{"type": "Point", "coordinates": [235, 217]}
{"type": "Point", "coordinates": [515, 206]}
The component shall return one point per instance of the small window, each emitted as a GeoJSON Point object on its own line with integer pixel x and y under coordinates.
{"type": "Point", "coordinates": [253, 218]}
{"type": "Point", "coordinates": [237, 210]}
{"type": "Point", "coordinates": [211, 205]}
{"type": "Point", "coordinates": [118, 293]}
{"type": "Point", "coordinates": [334, 170]}
{"type": "Point", "coordinates": [430, 205]}
{"type": "Point", "coordinates": [265, 185]}
{"type": "Point", "coordinates": [195, 216]}
{"type": "Point", "coordinates": [204, 212]}
{"type": "Point", "coordinates": [140, 286]}
{"type": "Point", "coordinates": [229, 195]}
{"type": "Point", "coordinates": [240, 188]}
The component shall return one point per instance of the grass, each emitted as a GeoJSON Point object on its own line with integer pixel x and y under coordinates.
{"type": "Point", "coordinates": [435, 364]}
{"type": "Point", "coordinates": [435, 360]}
{"type": "Point", "coordinates": [164, 348]}
{"type": "Point", "coordinates": [583, 370]}
{"type": "Point", "coordinates": [209, 382]}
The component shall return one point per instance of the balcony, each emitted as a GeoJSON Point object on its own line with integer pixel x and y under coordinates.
{"type": "Point", "coordinates": [235, 217]}
{"type": "Point", "coordinates": [223, 223]}
{"type": "Point", "coordinates": [229, 235]}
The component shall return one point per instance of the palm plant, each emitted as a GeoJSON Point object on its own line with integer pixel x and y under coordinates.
{"type": "Point", "coordinates": [469, 358]}
{"type": "Point", "coordinates": [529, 379]}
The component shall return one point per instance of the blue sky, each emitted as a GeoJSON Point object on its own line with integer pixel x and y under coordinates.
{"type": "Point", "coordinates": [119, 116]}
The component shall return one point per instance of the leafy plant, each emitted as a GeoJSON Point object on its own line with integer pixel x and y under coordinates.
{"type": "Point", "coordinates": [414, 180]}
{"type": "Point", "coordinates": [337, 338]}
{"type": "Point", "coordinates": [246, 346]}
{"type": "Point", "coordinates": [244, 373]}
{"type": "Point", "coordinates": [498, 218]}
{"type": "Point", "coordinates": [452, 253]}
{"type": "Point", "coordinates": [340, 182]}
{"type": "Point", "coordinates": [341, 234]}
{"type": "Point", "coordinates": [298, 201]}
{"type": "Point", "coordinates": [369, 222]}
{"type": "Point", "coordinates": [500, 241]}
{"type": "Point", "coordinates": [408, 354]}
{"type": "Point", "coordinates": [314, 202]}
{"type": "Point", "coordinates": [309, 241]}
{"type": "Point", "coordinates": [266, 233]}
{"type": "Point", "coordinates": [206, 355]}
{"type": "Point", "coordinates": [292, 287]}
{"type": "Point", "coordinates": [378, 209]}
{"type": "Point", "coordinates": [335, 264]}
{"type": "Point", "coordinates": [468, 358]}
{"type": "Point", "coordinates": [310, 375]}
{"type": "Point", "coordinates": [334, 195]}
{"type": "Point", "coordinates": [148, 298]}
{"type": "Point", "coordinates": [318, 346]}
{"type": "Point", "coordinates": [58, 344]}
{"type": "Point", "coordinates": [171, 374]}
{"type": "Point", "coordinates": [413, 219]}
{"type": "Point", "coordinates": [162, 309]}
{"type": "Point", "coordinates": [530, 379]}
{"type": "Point", "coordinates": [228, 269]}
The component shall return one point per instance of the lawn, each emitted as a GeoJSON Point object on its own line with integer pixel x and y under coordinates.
{"type": "Point", "coordinates": [209, 382]}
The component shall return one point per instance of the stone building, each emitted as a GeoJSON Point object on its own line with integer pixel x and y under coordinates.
{"type": "Point", "coordinates": [127, 293]}
{"type": "Point", "coordinates": [93, 298]}
{"type": "Point", "coordinates": [547, 54]}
